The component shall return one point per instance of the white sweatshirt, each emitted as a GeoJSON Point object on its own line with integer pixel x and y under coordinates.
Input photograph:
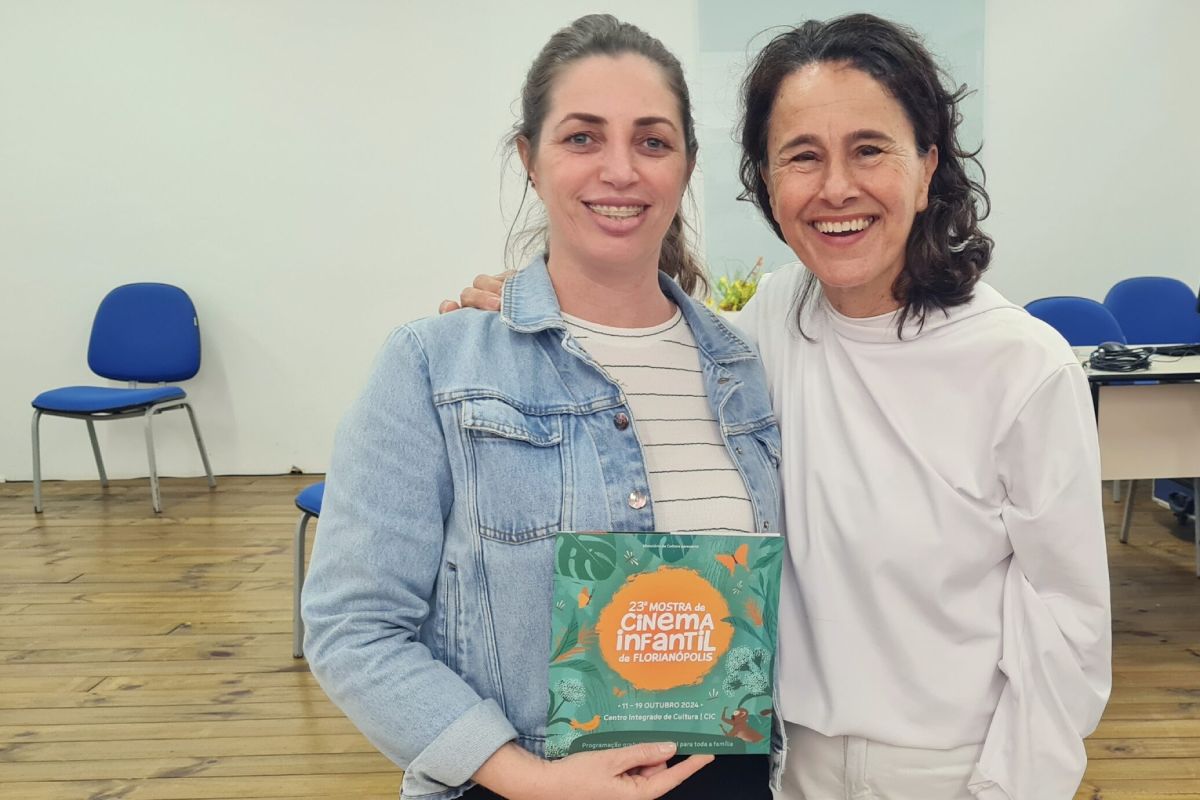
{"type": "Point", "coordinates": [947, 581]}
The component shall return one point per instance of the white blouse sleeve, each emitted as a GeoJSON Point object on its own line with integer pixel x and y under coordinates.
{"type": "Point", "coordinates": [1057, 635]}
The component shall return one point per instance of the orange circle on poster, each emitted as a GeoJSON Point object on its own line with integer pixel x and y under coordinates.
{"type": "Point", "coordinates": [664, 629]}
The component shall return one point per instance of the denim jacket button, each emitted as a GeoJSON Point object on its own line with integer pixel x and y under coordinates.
{"type": "Point", "coordinates": [621, 421]}
{"type": "Point", "coordinates": [737, 450]}
{"type": "Point", "coordinates": [637, 499]}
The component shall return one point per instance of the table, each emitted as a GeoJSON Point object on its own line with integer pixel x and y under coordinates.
{"type": "Point", "coordinates": [1149, 424]}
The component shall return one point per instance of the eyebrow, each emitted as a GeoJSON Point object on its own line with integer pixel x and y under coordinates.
{"type": "Point", "coordinates": [592, 119]}
{"type": "Point", "coordinates": [857, 136]}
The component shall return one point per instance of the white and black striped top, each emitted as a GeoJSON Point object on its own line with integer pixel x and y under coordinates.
{"type": "Point", "coordinates": [694, 483]}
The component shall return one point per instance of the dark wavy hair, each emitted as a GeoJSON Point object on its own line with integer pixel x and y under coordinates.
{"type": "Point", "coordinates": [605, 35]}
{"type": "Point", "coordinates": [946, 251]}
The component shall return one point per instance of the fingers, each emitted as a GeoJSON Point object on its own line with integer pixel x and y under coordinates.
{"type": "Point", "coordinates": [667, 779]}
{"type": "Point", "coordinates": [477, 298]}
{"type": "Point", "coordinates": [491, 283]}
{"type": "Point", "coordinates": [447, 306]}
{"type": "Point", "coordinates": [646, 772]}
{"type": "Point", "coordinates": [641, 755]}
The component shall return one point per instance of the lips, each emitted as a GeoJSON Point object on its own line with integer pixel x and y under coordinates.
{"type": "Point", "coordinates": [616, 211]}
{"type": "Point", "coordinates": [843, 227]}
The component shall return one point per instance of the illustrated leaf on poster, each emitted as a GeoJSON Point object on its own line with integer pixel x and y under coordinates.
{"type": "Point", "coordinates": [669, 547]}
{"type": "Point", "coordinates": [745, 627]}
{"type": "Point", "coordinates": [569, 640]}
{"type": "Point", "coordinates": [769, 592]}
{"type": "Point", "coordinates": [579, 665]}
{"type": "Point", "coordinates": [769, 551]}
{"type": "Point", "coordinates": [587, 558]}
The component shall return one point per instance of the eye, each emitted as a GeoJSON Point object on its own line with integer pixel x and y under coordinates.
{"type": "Point", "coordinates": [805, 156]}
{"type": "Point", "coordinates": [869, 151]}
{"type": "Point", "coordinates": [580, 139]}
{"type": "Point", "coordinates": [654, 143]}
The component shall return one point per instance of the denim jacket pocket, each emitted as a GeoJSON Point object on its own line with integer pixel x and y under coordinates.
{"type": "Point", "coordinates": [517, 472]}
{"type": "Point", "coordinates": [771, 442]}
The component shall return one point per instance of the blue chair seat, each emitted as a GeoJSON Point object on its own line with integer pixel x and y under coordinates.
{"type": "Point", "coordinates": [101, 399]}
{"type": "Point", "coordinates": [309, 499]}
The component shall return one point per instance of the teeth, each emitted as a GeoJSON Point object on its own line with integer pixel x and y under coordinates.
{"type": "Point", "coordinates": [844, 226]}
{"type": "Point", "coordinates": [617, 212]}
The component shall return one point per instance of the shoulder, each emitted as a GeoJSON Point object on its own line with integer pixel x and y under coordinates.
{"type": "Point", "coordinates": [454, 348]}
{"type": "Point", "coordinates": [1004, 329]}
{"type": "Point", "coordinates": [1009, 349]}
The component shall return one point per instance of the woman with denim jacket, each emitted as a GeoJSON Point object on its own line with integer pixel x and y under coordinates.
{"type": "Point", "coordinates": [479, 435]}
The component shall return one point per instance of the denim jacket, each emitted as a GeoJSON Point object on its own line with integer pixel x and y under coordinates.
{"type": "Point", "coordinates": [479, 435]}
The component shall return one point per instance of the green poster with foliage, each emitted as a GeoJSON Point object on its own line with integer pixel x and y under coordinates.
{"type": "Point", "coordinates": [663, 637]}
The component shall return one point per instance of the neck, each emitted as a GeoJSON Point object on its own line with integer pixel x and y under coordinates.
{"type": "Point", "coordinates": [860, 305]}
{"type": "Point", "coordinates": [626, 298]}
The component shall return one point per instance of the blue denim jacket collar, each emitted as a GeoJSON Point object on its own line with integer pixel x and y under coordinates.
{"type": "Point", "coordinates": [529, 304]}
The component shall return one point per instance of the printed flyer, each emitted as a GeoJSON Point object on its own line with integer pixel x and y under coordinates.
{"type": "Point", "coordinates": [663, 637]}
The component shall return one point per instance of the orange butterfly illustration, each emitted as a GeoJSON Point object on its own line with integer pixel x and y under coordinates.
{"type": "Point", "coordinates": [618, 691]}
{"type": "Point", "coordinates": [731, 561]}
{"type": "Point", "coordinates": [590, 725]}
{"type": "Point", "coordinates": [585, 597]}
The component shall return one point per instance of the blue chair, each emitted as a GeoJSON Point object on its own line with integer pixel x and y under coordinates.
{"type": "Point", "coordinates": [1082, 322]}
{"type": "Point", "coordinates": [309, 503]}
{"type": "Point", "coordinates": [1155, 310]}
{"type": "Point", "coordinates": [142, 333]}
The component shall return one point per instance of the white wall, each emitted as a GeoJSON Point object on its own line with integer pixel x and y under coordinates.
{"type": "Point", "coordinates": [315, 172]}
{"type": "Point", "coordinates": [311, 172]}
{"type": "Point", "coordinates": [1091, 112]}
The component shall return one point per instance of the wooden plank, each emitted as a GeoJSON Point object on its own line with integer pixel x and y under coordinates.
{"type": "Point", "coordinates": [380, 784]}
{"type": "Point", "coordinates": [212, 698]}
{"type": "Point", "coordinates": [209, 767]}
{"type": "Point", "coordinates": [296, 744]}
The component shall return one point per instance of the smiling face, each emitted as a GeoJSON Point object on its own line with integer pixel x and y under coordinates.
{"type": "Point", "coordinates": [610, 163]}
{"type": "Point", "coordinates": [846, 181]}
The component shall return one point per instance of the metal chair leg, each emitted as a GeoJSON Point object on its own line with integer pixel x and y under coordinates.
{"type": "Point", "coordinates": [297, 585]}
{"type": "Point", "coordinates": [154, 498]}
{"type": "Point", "coordinates": [1116, 491]}
{"type": "Point", "coordinates": [212, 483]}
{"type": "Point", "coordinates": [1196, 520]}
{"type": "Point", "coordinates": [96, 453]}
{"type": "Point", "coordinates": [37, 463]}
{"type": "Point", "coordinates": [1128, 512]}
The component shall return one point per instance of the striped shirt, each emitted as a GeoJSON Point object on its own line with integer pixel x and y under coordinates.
{"type": "Point", "coordinates": [694, 484]}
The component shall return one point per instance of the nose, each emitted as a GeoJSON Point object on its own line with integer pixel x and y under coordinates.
{"type": "Point", "coordinates": [838, 187]}
{"type": "Point", "coordinates": [618, 168]}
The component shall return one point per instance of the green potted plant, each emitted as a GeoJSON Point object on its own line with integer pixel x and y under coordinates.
{"type": "Point", "coordinates": [730, 296]}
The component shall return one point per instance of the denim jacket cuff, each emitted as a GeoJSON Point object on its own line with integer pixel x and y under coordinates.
{"type": "Point", "coordinates": [460, 750]}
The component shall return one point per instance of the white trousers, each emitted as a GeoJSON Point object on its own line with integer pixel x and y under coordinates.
{"type": "Point", "coordinates": [852, 768]}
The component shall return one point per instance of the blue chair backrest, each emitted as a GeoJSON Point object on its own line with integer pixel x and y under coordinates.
{"type": "Point", "coordinates": [1082, 322]}
{"type": "Point", "coordinates": [1155, 310]}
{"type": "Point", "coordinates": [145, 332]}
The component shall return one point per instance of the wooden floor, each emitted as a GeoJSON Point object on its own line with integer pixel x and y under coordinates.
{"type": "Point", "coordinates": [149, 657]}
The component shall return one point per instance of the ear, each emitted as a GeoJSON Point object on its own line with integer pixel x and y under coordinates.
{"type": "Point", "coordinates": [766, 179]}
{"type": "Point", "coordinates": [525, 151]}
{"type": "Point", "coordinates": [929, 166]}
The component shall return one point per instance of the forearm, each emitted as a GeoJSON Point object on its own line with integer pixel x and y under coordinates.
{"type": "Point", "coordinates": [515, 773]}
